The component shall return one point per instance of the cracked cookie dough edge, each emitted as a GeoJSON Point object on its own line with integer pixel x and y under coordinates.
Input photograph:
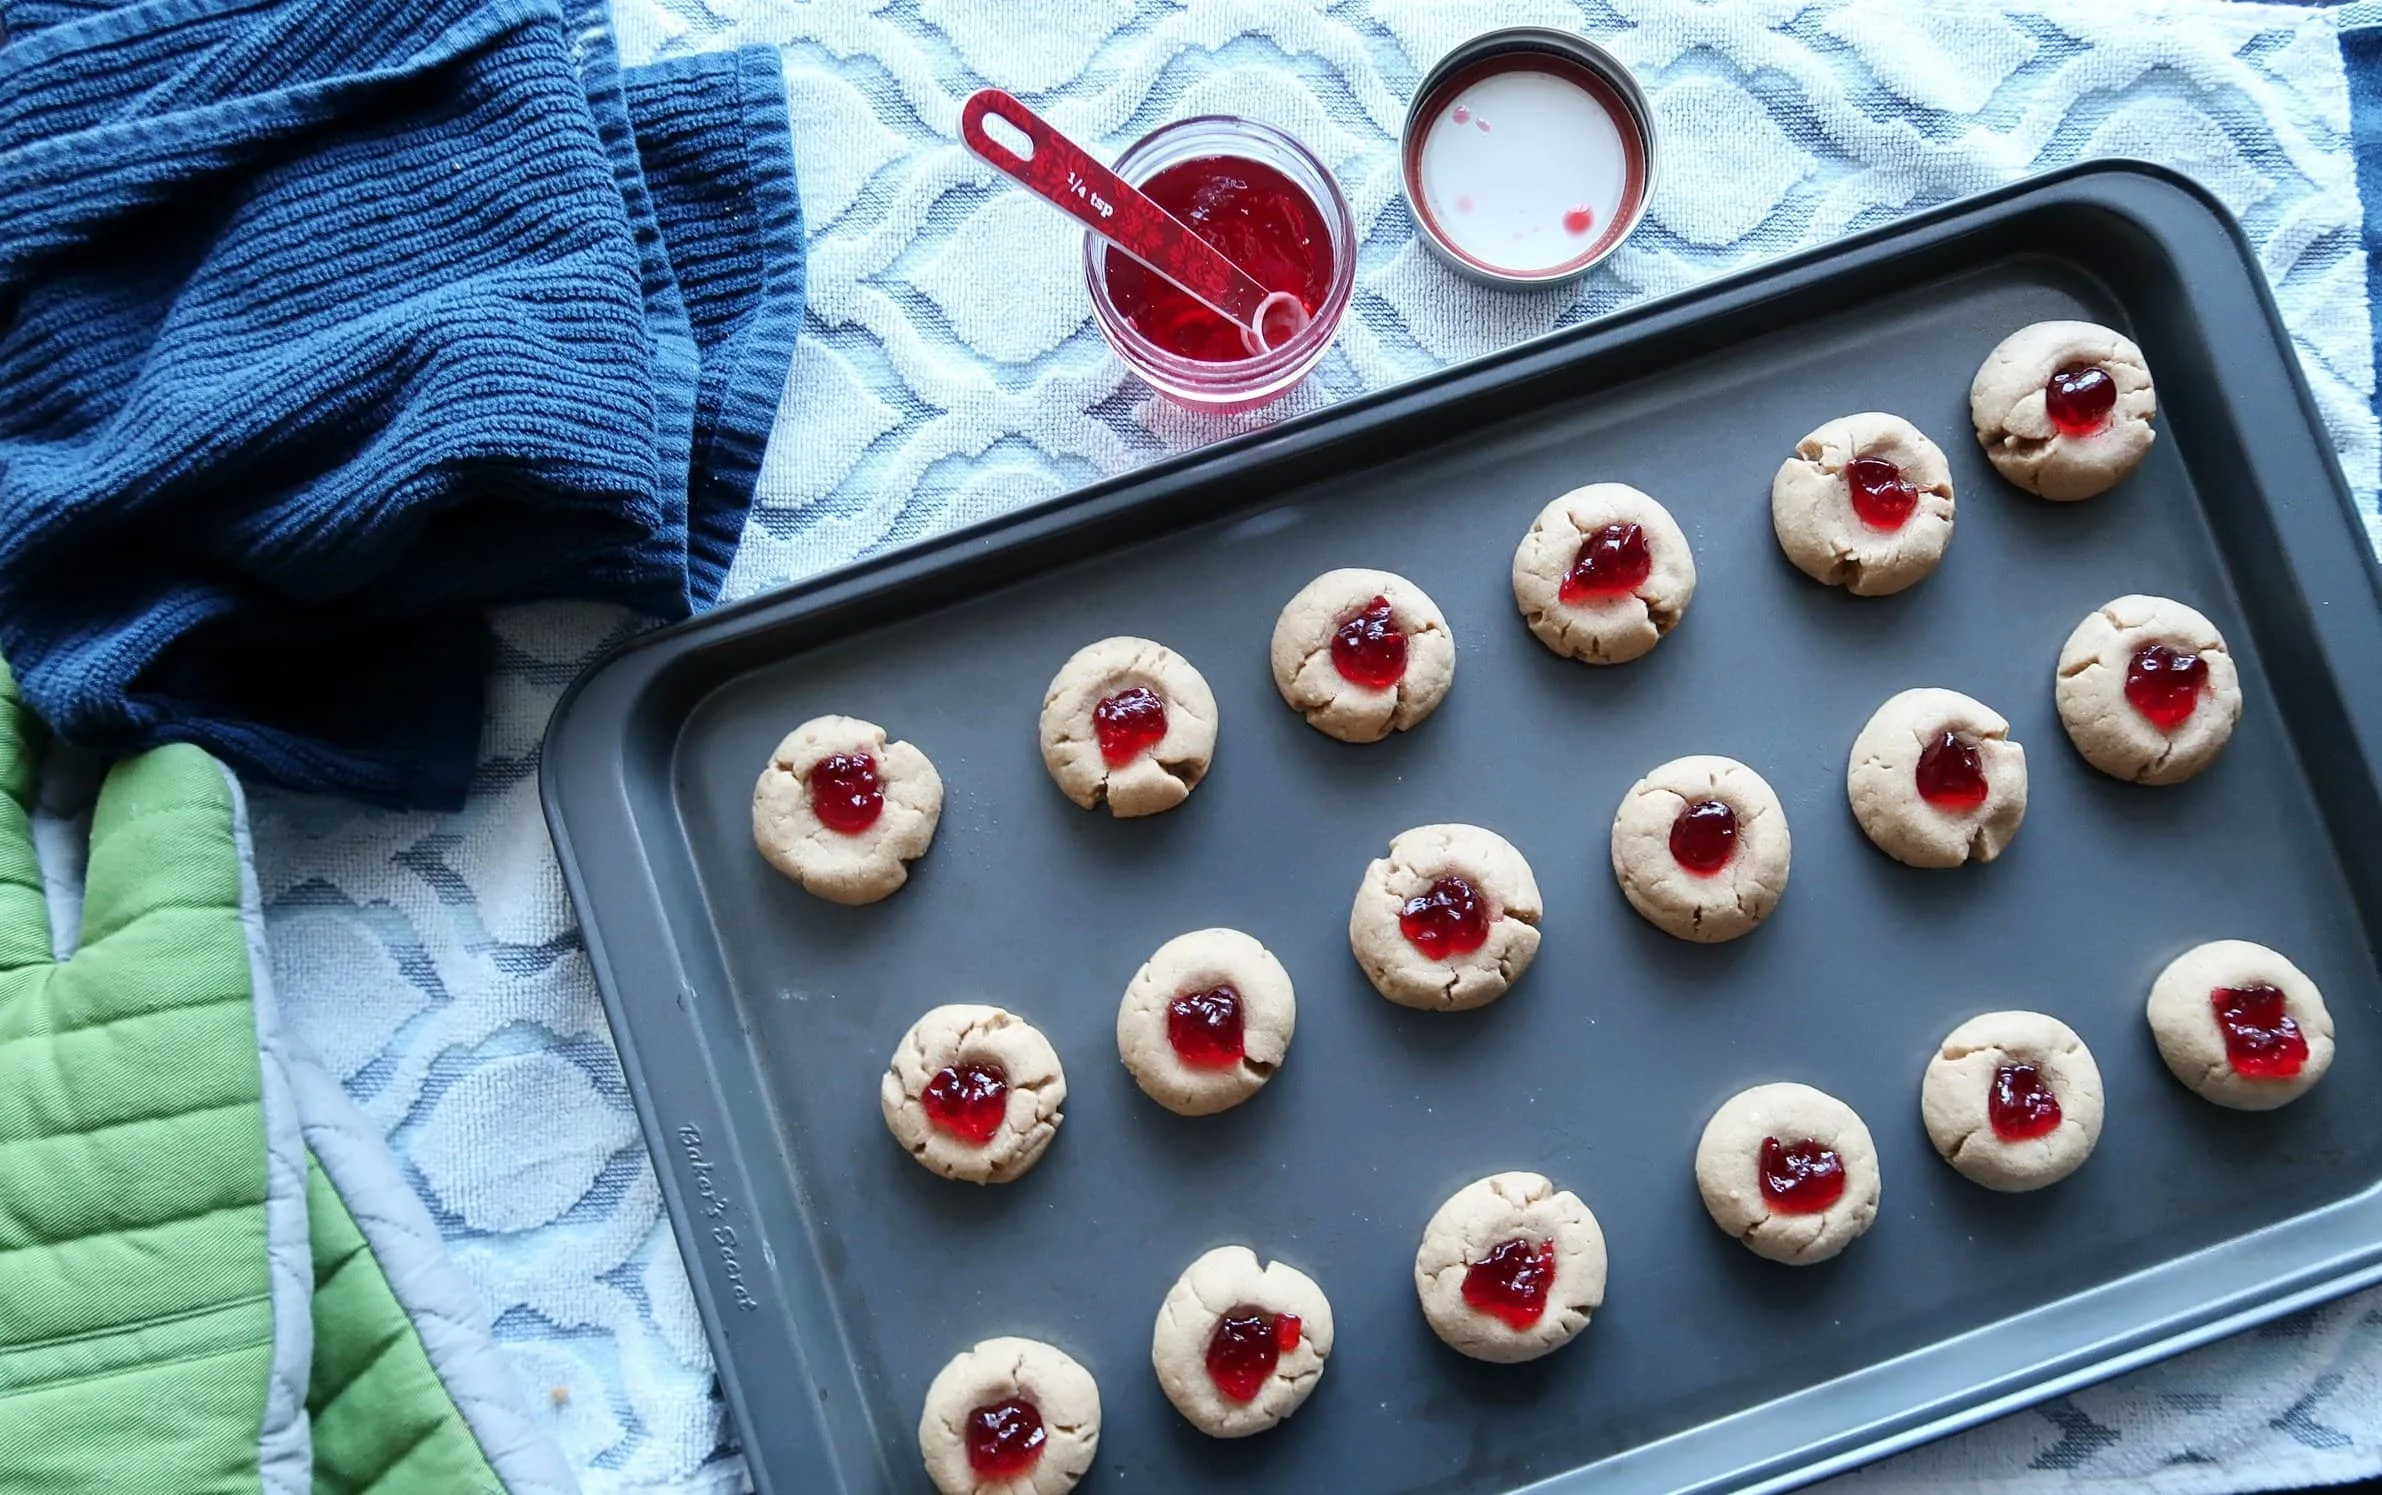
{"type": "Point", "coordinates": [961, 1032]}
{"type": "Point", "coordinates": [1953, 1104]}
{"type": "Point", "coordinates": [1614, 631]}
{"type": "Point", "coordinates": [1727, 1168]}
{"type": "Point", "coordinates": [1686, 905]}
{"type": "Point", "coordinates": [2089, 691]}
{"type": "Point", "coordinates": [1213, 1285]}
{"type": "Point", "coordinates": [994, 1370]}
{"type": "Point", "coordinates": [1818, 531]}
{"type": "Point", "coordinates": [1299, 656]}
{"type": "Point", "coordinates": [852, 870]}
{"type": "Point", "coordinates": [1880, 785]}
{"type": "Point", "coordinates": [1473, 1220]}
{"type": "Point", "coordinates": [1195, 961]}
{"type": "Point", "coordinates": [1160, 777]}
{"type": "Point", "coordinates": [1417, 857]}
{"type": "Point", "coordinates": [2184, 1025]}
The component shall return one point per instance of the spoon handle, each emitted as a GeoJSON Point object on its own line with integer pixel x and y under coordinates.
{"type": "Point", "coordinates": [1061, 173]}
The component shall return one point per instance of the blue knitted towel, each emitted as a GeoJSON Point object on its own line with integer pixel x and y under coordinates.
{"type": "Point", "coordinates": [325, 324]}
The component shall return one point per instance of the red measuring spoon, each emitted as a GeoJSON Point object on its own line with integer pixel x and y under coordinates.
{"type": "Point", "coordinates": [1063, 174]}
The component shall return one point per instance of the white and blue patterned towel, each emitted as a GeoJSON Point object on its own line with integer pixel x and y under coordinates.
{"type": "Point", "coordinates": [434, 962]}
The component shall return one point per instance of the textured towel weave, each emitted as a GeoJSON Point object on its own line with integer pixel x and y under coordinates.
{"type": "Point", "coordinates": [325, 325]}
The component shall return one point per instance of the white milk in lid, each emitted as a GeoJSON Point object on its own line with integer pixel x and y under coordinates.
{"type": "Point", "coordinates": [1524, 169]}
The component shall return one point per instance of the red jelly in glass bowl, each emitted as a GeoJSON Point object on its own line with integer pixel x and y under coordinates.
{"type": "Point", "coordinates": [1951, 775]}
{"type": "Point", "coordinates": [1448, 918]}
{"type": "Point", "coordinates": [2079, 398]}
{"type": "Point", "coordinates": [2262, 1041]}
{"type": "Point", "coordinates": [1271, 207]}
{"type": "Point", "coordinates": [1258, 218]}
{"type": "Point", "coordinates": [2164, 684]}
{"type": "Point", "coordinates": [1801, 1177]}
{"type": "Point", "coordinates": [1368, 649]}
{"type": "Point", "coordinates": [968, 1100]}
{"type": "Point", "coordinates": [2020, 1105]}
{"type": "Point", "coordinates": [1206, 1028]}
{"type": "Point", "coordinates": [1004, 1439]}
{"type": "Point", "coordinates": [1704, 837]}
{"type": "Point", "coordinates": [1128, 724]}
{"type": "Point", "coordinates": [1513, 1281]}
{"type": "Point", "coordinates": [845, 794]}
{"type": "Point", "coordinates": [1248, 1345]}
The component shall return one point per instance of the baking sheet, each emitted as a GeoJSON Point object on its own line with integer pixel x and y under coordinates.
{"type": "Point", "coordinates": [837, 1275]}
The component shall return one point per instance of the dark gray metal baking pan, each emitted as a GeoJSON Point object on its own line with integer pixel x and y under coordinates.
{"type": "Point", "coordinates": [836, 1275]}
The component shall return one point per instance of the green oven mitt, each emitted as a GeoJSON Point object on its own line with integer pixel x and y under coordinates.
{"type": "Point", "coordinates": [212, 1277]}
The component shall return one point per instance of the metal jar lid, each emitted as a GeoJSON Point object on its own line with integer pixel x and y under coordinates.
{"type": "Point", "coordinates": [1575, 59]}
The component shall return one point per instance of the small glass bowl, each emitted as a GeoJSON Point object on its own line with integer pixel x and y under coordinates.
{"type": "Point", "coordinates": [1244, 383]}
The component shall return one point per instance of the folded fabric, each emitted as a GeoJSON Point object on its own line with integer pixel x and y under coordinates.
{"type": "Point", "coordinates": [326, 324]}
{"type": "Point", "coordinates": [212, 1276]}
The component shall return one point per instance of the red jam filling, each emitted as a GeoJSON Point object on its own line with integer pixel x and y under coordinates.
{"type": "Point", "coordinates": [1128, 724]}
{"type": "Point", "coordinates": [1951, 776]}
{"type": "Point", "coordinates": [1247, 1345]}
{"type": "Point", "coordinates": [1258, 218]}
{"type": "Point", "coordinates": [845, 794]}
{"type": "Point", "coordinates": [2020, 1105]}
{"type": "Point", "coordinates": [2079, 398]}
{"type": "Point", "coordinates": [1368, 649]}
{"type": "Point", "coordinates": [1448, 918]}
{"type": "Point", "coordinates": [1800, 1178]}
{"type": "Point", "coordinates": [1882, 497]}
{"type": "Point", "coordinates": [2164, 684]}
{"type": "Point", "coordinates": [968, 1100]}
{"type": "Point", "coordinates": [1205, 1028]}
{"type": "Point", "coordinates": [2261, 1040]}
{"type": "Point", "coordinates": [1512, 1282]}
{"type": "Point", "coordinates": [1704, 837]}
{"type": "Point", "coordinates": [1004, 1439]}
{"type": "Point", "coordinates": [1611, 562]}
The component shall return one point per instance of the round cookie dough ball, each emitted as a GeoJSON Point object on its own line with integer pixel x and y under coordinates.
{"type": "Point", "coordinates": [1362, 654]}
{"type": "Point", "coordinates": [2012, 1100]}
{"type": "Point", "coordinates": [1129, 723]}
{"type": "Point", "coordinates": [1864, 504]}
{"type": "Point", "coordinates": [2240, 1025]}
{"type": "Point", "coordinates": [2147, 690]}
{"type": "Point", "coordinates": [1935, 779]}
{"type": "Point", "coordinates": [844, 812]}
{"type": "Point", "coordinates": [1510, 1268]}
{"type": "Point", "coordinates": [1448, 920]}
{"type": "Point", "coordinates": [1603, 574]}
{"type": "Point", "coordinates": [1700, 847]}
{"type": "Point", "coordinates": [1206, 1021]}
{"type": "Point", "coordinates": [1010, 1417]}
{"type": "Point", "coordinates": [2063, 409]}
{"type": "Point", "coordinates": [1239, 1348]}
{"type": "Point", "coordinates": [1790, 1171]}
{"type": "Point", "coordinates": [974, 1093]}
